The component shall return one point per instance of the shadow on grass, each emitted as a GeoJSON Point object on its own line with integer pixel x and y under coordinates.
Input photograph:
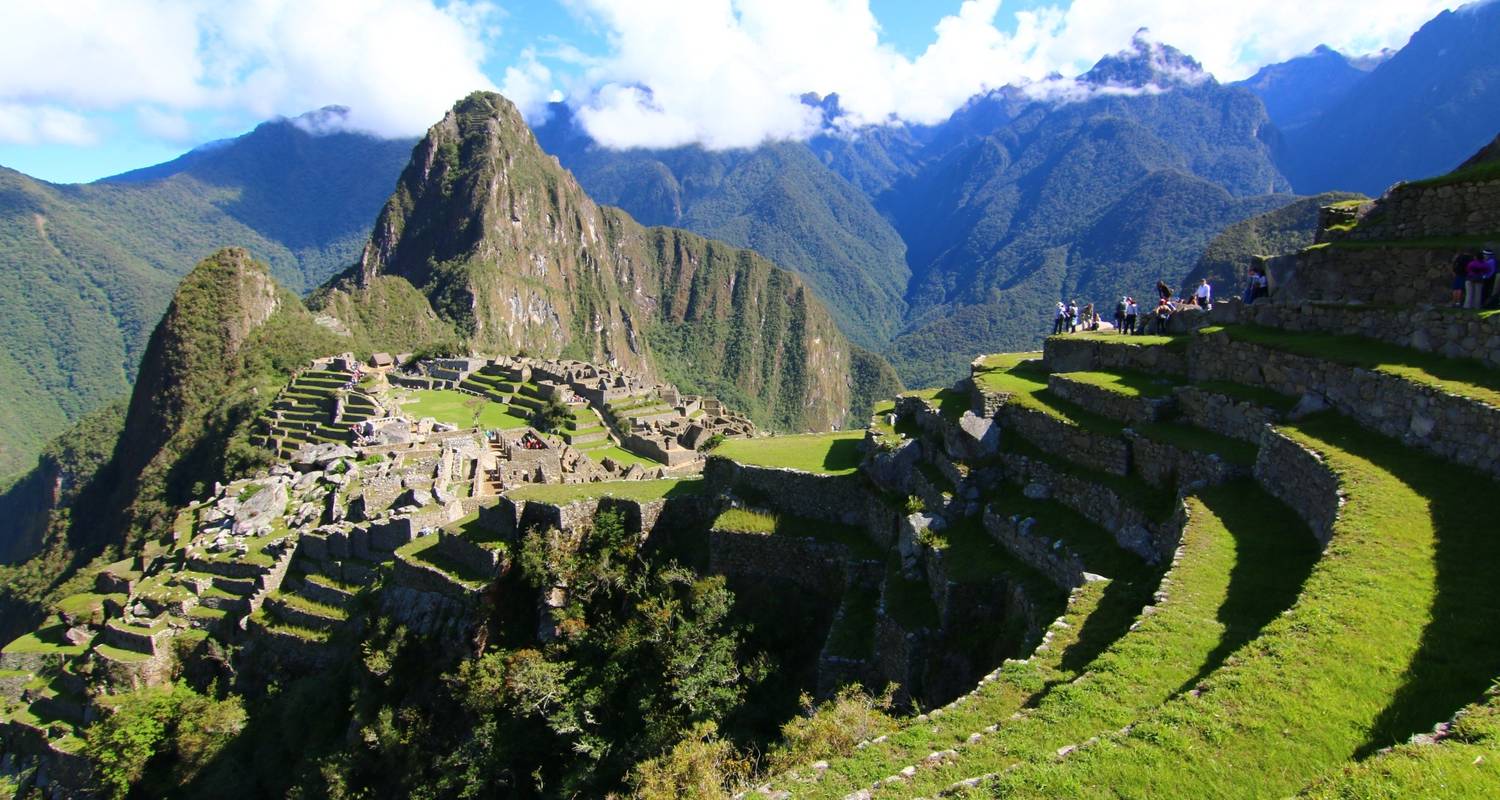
{"type": "Point", "coordinates": [1274, 555]}
{"type": "Point", "coordinates": [1459, 654]}
{"type": "Point", "coordinates": [844, 454]}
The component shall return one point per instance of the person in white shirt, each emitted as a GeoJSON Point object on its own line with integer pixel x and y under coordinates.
{"type": "Point", "coordinates": [1204, 294]}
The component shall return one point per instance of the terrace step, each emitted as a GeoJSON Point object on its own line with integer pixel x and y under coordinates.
{"type": "Point", "coordinates": [303, 613]}
{"type": "Point", "coordinates": [1392, 633]}
{"type": "Point", "coordinates": [1242, 562]}
{"type": "Point", "coordinates": [1125, 397]}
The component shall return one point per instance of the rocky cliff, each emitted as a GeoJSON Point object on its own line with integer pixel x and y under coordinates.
{"type": "Point", "coordinates": [507, 247]}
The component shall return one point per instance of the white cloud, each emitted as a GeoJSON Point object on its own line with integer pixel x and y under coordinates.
{"type": "Point", "coordinates": [29, 124]}
{"type": "Point", "coordinates": [168, 126]}
{"type": "Point", "coordinates": [728, 73]}
{"type": "Point", "coordinates": [398, 64]}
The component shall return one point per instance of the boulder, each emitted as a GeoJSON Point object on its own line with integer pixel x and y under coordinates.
{"type": "Point", "coordinates": [261, 509]}
{"type": "Point", "coordinates": [982, 435]}
{"type": "Point", "coordinates": [1309, 404]}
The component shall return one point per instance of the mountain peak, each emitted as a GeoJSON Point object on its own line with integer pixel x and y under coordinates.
{"type": "Point", "coordinates": [1147, 62]}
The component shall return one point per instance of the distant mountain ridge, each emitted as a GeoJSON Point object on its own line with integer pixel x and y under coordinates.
{"type": "Point", "coordinates": [87, 270]}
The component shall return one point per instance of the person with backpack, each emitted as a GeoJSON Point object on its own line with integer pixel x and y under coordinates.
{"type": "Point", "coordinates": [1120, 314]}
{"type": "Point", "coordinates": [1474, 282]}
{"type": "Point", "coordinates": [1460, 277]}
{"type": "Point", "coordinates": [1163, 291]}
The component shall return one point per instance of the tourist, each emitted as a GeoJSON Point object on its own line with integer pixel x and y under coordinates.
{"type": "Point", "coordinates": [1203, 295]}
{"type": "Point", "coordinates": [1474, 282]}
{"type": "Point", "coordinates": [1163, 315]}
{"type": "Point", "coordinates": [1094, 324]}
{"type": "Point", "coordinates": [1073, 317]}
{"type": "Point", "coordinates": [1131, 310]}
{"type": "Point", "coordinates": [1460, 277]}
{"type": "Point", "coordinates": [1488, 257]}
{"type": "Point", "coordinates": [1120, 314]}
{"type": "Point", "coordinates": [1088, 317]}
{"type": "Point", "coordinates": [1163, 291]}
{"type": "Point", "coordinates": [1259, 284]}
{"type": "Point", "coordinates": [1061, 319]}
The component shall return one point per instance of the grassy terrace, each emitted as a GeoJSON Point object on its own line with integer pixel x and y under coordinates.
{"type": "Point", "coordinates": [1130, 384]}
{"type": "Point", "coordinates": [1019, 684]}
{"type": "Point", "coordinates": [1244, 559]}
{"type": "Point", "coordinates": [48, 640]}
{"type": "Point", "coordinates": [1464, 378]}
{"type": "Point", "coordinates": [741, 520]}
{"type": "Point", "coordinates": [837, 453]}
{"type": "Point", "coordinates": [1391, 634]}
{"type": "Point", "coordinates": [619, 455]}
{"type": "Point", "coordinates": [641, 491]}
{"type": "Point", "coordinates": [461, 410]}
{"type": "Point", "coordinates": [1025, 380]}
{"type": "Point", "coordinates": [422, 551]}
{"type": "Point", "coordinates": [1461, 766]}
{"type": "Point", "coordinates": [1178, 342]}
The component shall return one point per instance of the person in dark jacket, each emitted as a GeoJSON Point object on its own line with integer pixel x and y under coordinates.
{"type": "Point", "coordinates": [1163, 291]}
{"type": "Point", "coordinates": [1120, 314]}
{"type": "Point", "coordinates": [1460, 277]}
{"type": "Point", "coordinates": [1487, 296]}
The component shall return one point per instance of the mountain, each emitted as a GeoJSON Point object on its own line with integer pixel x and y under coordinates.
{"type": "Point", "coordinates": [507, 247]}
{"type": "Point", "coordinates": [1420, 113]}
{"type": "Point", "coordinates": [1297, 91]}
{"type": "Point", "coordinates": [779, 199]}
{"type": "Point", "coordinates": [1226, 260]}
{"type": "Point", "coordinates": [1086, 199]}
{"type": "Point", "coordinates": [86, 270]}
{"type": "Point", "coordinates": [231, 336]}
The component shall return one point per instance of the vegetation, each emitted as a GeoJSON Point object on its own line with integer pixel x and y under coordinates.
{"type": "Point", "coordinates": [171, 726]}
{"type": "Point", "coordinates": [1226, 260]}
{"type": "Point", "coordinates": [642, 491]}
{"type": "Point", "coordinates": [822, 453]}
{"type": "Point", "coordinates": [461, 410]}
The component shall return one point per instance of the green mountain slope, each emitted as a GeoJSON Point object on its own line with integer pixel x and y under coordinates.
{"type": "Point", "coordinates": [779, 199]}
{"type": "Point", "coordinates": [1226, 260]}
{"type": "Point", "coordinates": [507, 247]}
{"type": "Point", "coordinates": [87, 270]}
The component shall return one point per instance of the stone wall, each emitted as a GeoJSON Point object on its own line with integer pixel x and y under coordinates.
{"type": "Point", "coordinates": [1150, 539]}
{"type": "Point", "coordinates": [1226, 416]}
{"type": "Point", "coordinates": [843, 499]}
{"type": "Point", "coordinates": [1164, 465]}
{"type": "Point", "coordinates": [1298, 477]}
{"type": "Point", "coordinates": [1402, 276]}
{"type": "Point", "coordinates": [1455, 428]}
{"type": "Point", "coordinates": [1051, 557]}
{"type": "Point", "coordinates": [818, 567]}
{"type": "Point", "coordinates": [1452, 333]}
{"type": "Point", "coordinates": [1079, 445]}
{"type": "Point", "coordinates": [1075, 354]}
{"type": "Point", "coordinates": [1115, 405]}
{"type": "Point", "coordinates": [1420, 212]}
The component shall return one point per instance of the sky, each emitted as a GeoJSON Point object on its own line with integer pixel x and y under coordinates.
{"type": "Point", "coordinates": [91, 88]}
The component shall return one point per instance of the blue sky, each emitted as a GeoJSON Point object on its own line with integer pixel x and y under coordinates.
{"type": "Point", "coordinates": [90, 88]}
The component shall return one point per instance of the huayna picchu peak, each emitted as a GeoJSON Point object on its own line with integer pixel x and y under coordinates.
{"type": "Point", "coordinates": [982, 437]}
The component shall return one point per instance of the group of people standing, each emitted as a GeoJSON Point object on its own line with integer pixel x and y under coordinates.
{"type": "Point", "coordinates": [1069, 318]}
{"type": "Point", "coordinates": [1474, 280]}
{"type": "Point", "coordinates": [1130, 318]}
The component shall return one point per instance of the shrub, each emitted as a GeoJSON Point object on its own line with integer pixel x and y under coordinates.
{"type": "Point", "coordinates": [700, 767]}
{"type": "Point", "coordinates": [835, 728]}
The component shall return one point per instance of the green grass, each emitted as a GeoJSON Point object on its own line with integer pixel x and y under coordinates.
{"type": "Point", "coordinates": [908, 602]}
{"type": "Point", "coordinates": [1462, 765]}
{"type": "Point", "coordinates": [1130, 384]}
{"type": "Point", "coordinates": [853, 636]}
{"type": "Point", "coordinates": [640, 491]}
{"type": "Point", "coordinates": [46, 640]}
{"type": "Point", "coordinates": [1019, 683]}
{"type": "Point", "coordinates": [1264, 398]}
{"type": "Point", "coordinates": [119, 654]}
{"type": "Point", "coordinates": [743, 520]}
{"type": "Point", "coordinates": [313, 607]}
{"type": "Point", "coordinates": [1189, 437]}
{"type": "Point", "coordinates": [1461, 377]}
{"type": "Point", "coordinates": [1157, 504]}
{"type": "Point", "coordinates": [459, 409]}
{"type": "Point", "coordinates": [1101, 554]}
{"type": "Point", "coordinates": [1244, 559]}
{"type": "Point", "coordinates": [1392, 633]}
{"type": "Point", "coordinates": [423, 550]}
{"type": "Point", "coordinates": [620, 455]}
{"type": "Point", "coordinates": [951, 404]}
{"type": "Point", "coordinates": [836, 453]}
{"type": "Point", "coordinates": [1151, 340]}
{"type": "Point", "coordinates": [971, 556]}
